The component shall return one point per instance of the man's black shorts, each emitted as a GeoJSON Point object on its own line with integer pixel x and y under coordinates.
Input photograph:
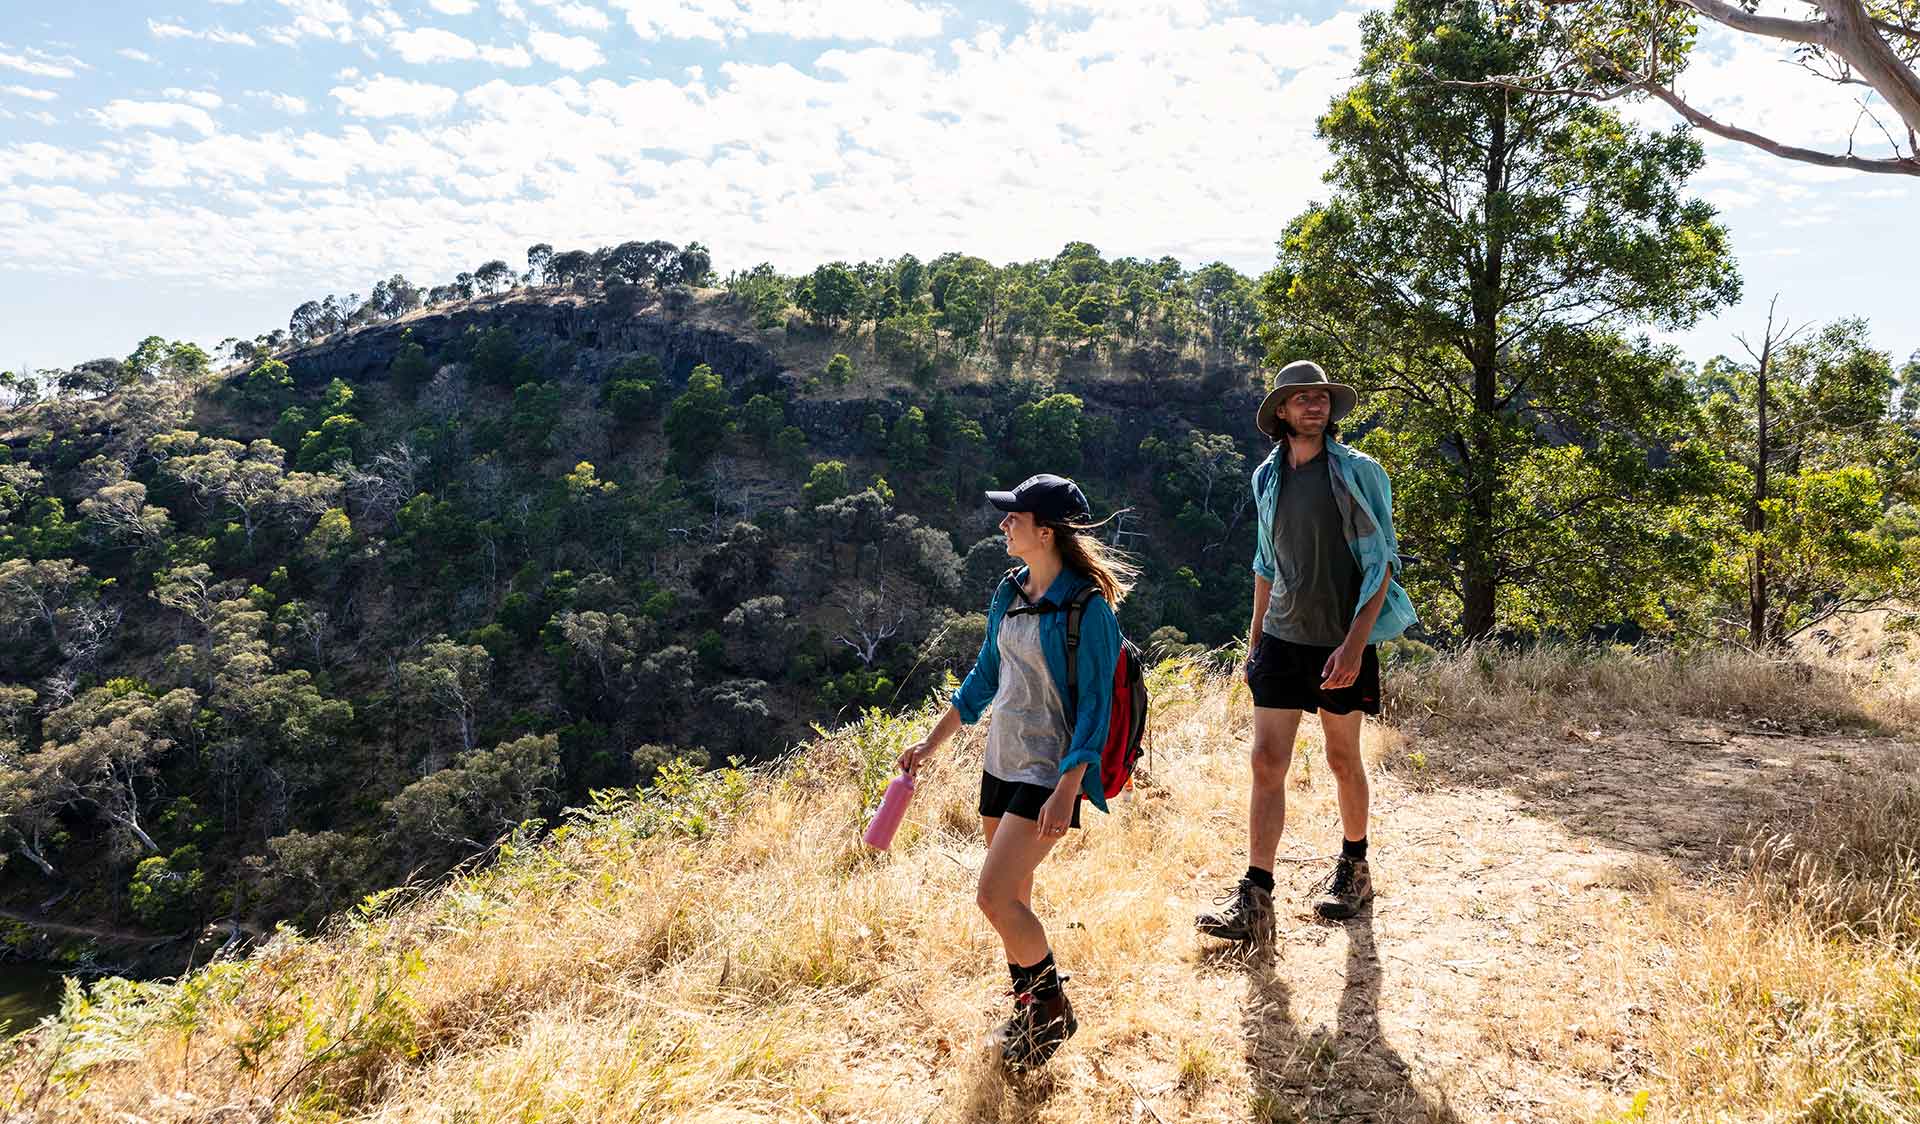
{"type": "Point", "coordinates": [1287, 676]}
{"type": "Point", "coordinates": [1016, 798]}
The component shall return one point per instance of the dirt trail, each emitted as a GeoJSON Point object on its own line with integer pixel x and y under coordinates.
{"type": "Point", "coordinates": [1487, 983]}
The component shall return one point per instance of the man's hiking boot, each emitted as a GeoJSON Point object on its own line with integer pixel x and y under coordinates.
{"type": "Point", "coordinates": [1345, 891]}
{"type": "Point", "coordinates": [1039, 1026]}
{"type": "Point", "coordinates": [1248, 916]}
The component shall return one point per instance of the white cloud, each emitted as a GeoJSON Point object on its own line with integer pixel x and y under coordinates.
{"type": "Point", "coordinates": [121, 115]}
{"type": "Point", "coordinates": [212, 35]}
{"type": "Point", "coordinates": [285, 103]}
{"type": "Point", "coordinates": [573, 52]}
{"type": "Point", "coordinates": [453, 7]}
{"type": "Point", "coordinates": [878, 21]}
{"type": "Point", "coordinates": [135, 55]}
{"type": "Point", "coordinates": [381, 96]}
{"type": "Point", "coordinates": [205, 99]}
{"type": "Point", "coordinates": [29, 93]}
{"type": "Point", "coordinates": [39, 65]}
{"type": "Point", "coordinates": [36, 161]}
{"type": "Point", "coordinates": [510, 10]}
{"type": "Point", "coordinates": [424, 45]}
{"type": "Point", "coordinates": [580, 17]}
{"type": "Point", "coordinates": [314, 19]}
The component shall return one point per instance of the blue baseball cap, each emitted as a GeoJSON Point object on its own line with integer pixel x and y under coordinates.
{"type": "Point", "coordinates": [1052, 499]}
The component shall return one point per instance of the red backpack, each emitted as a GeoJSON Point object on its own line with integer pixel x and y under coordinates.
{"type": "Point", "coordinates": [1127, 724]}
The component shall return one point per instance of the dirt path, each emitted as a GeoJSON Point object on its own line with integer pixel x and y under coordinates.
{"type": "Point", "coordinates": [1487, 982]}
{"type": "Point", "coordinates": [110, 936]}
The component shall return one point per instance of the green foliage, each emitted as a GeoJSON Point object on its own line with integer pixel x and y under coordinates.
{"type": "Point", "coordinates": [698, 421]}
{"type": "Point", "coordinates": [536, 410]}
{"type": "Point", "coordinates": [760, 419]}
{"type": "Point", "coordinates": [1045, 436]}
{"type": "Point", "coordinates": [409, 370]}
{"type": "Point", "coordinates": [839, 371]}
{"type": "Point", "coordinates": [907, 444]}
{"type": "Point", "coordinates": [790, 446]}
{"type": "Point", "coordinates": [496, 358]}
{"type": "Point", "coordinates": [762, 292]}
{"type": "Point", "coordinates": [267, 386]}
{"type": "Point", "coordinates": [826, 482]}
{"type": "Point", "coordinates": [163, 890]}
{"type": "Point", "coordinates": [632, 401]}
{"type": "Point", "coordinates": [830, 295]}
{"type": "Point", "coordinates": [1475, 270]}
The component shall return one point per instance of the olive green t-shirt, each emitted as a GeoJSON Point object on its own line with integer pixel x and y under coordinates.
{"type": "Point", "coordinates": [1316, 585]}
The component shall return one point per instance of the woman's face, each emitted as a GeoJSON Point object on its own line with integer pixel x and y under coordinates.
{"type": "Point", "coordinates": [1025, 537]}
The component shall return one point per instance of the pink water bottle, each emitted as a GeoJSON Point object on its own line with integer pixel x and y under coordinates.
{"type": "Point", "coordinates": [893, 809]}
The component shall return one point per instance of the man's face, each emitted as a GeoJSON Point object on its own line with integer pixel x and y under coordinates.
{"type": "Point", "coordinates": [1307, 411]}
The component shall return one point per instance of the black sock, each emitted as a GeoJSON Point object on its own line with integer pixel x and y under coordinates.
{"type": "Point", "coordinates": [1261, 878]}
{"type": "Point", "coordinates": [1022, 977]}
{"type": "Point", "coordinates": [1043, 979]}
{"type": "Point", "coordinates": [1355, 849]}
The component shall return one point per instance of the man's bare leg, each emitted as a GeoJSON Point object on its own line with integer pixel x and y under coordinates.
{"type": "Point", "coordinates": [1274, 731]}
{"type": "Point", "coordinates": [1342, 734]}
{"type": "Point", "coordinates": [1350, 887]}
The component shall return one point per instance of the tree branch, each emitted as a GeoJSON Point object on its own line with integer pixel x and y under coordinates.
{"type": "Point", "coordinates": [1899, 165]}
{"type": "Point", "coordinates": [1818, 33]}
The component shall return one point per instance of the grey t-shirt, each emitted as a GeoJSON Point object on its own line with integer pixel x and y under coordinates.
{"type": "Point", "coordinates": [1027, 735]}
{"type": "Point", "coordinates": [1316, 585]}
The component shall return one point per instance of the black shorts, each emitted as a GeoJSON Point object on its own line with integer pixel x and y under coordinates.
{"type": "Point", "coordinates": [1287, 676]}
{"type": "Point", "coordinates": [1016, 798]}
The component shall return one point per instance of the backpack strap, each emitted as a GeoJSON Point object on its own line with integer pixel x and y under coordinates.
{"type": "Point", "coordinates": [1076, 608]}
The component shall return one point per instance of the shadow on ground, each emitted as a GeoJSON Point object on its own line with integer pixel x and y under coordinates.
{"type": "Point", "coordinates": [1351, 1072]}
{"type": "Point", "coordinates": [1661, 785]}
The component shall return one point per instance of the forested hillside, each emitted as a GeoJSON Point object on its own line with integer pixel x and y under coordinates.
{"type": "Point", "coordinates": [346, 608]}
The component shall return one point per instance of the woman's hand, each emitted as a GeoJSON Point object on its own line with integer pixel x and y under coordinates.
{"type": "Point", "coordinates": [909, 761]}
{"type": "Point", "coordinates": [1057, 813]}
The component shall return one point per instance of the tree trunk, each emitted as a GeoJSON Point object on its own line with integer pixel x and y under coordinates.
{"type": "Point", "coordinates": [33, 856]}
{"type": "Point", "coordinates": [1757, 515]}
{"type": "Point", "coordinates": [1478, 583]}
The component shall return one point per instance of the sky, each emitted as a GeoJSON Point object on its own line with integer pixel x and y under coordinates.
{"type": "Point", "coordinates": [195, 169]}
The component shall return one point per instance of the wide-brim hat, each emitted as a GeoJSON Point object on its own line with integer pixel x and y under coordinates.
{"type": "Point", "coordinates": [1299, 375]}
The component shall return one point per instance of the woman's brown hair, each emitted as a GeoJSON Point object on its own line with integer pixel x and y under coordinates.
{"type": "Point", "coordinates": [1083, 553]}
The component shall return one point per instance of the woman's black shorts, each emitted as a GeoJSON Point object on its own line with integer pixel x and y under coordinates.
{"type": "Point", "coordinates": [1016, 798]}
{"type": "Point", "coordinates": [1287, 676]}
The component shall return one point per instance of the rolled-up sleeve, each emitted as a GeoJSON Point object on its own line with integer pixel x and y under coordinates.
{"type": "Point", "coordinates": [1263, 528]}
{"type": "Point", "coordinates": [984, 680]}
{"type": "Point", "coordinates": [1381, 495]}
{"type": "Point", "coordinates": [1099, 649]}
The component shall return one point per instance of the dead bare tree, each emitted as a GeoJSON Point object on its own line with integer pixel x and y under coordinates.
{"type": "Point", "coordinates": [873, 618]}
{"type": "Point", "coordinates": [1873, 44]}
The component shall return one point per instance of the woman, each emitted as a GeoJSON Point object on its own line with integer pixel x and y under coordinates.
{"type": "Point", "coordinates": [1038, 753]}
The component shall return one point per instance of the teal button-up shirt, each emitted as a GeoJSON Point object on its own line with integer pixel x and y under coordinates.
{"type": "Point", "coordinates": [1365, 499]}
{"type": "Point", "coordinates": [1099, 651]}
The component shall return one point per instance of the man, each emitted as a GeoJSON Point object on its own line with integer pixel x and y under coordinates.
{"type": "Point", "coordinates": [1323, 596]}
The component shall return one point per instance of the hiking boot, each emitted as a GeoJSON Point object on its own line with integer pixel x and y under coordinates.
{"type": "Point", "coordinates": [1039, 1026]}
{"type": "Point", "coordinates": [1349, 887]}
{"type": "Point", "coordinates": [1248, 916]}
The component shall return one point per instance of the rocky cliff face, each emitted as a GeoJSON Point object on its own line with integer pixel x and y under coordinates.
{"type": "Point", "coordinates": [599, 333]}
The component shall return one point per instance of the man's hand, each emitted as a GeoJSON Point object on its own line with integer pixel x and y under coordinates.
{"type": "Point", "coordinates": [1343, 666]}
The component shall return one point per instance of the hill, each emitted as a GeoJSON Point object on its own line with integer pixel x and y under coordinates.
{"type": "Point", "coordinates": [286, 632]}
{"type": "Point", "coordinates": [1614, 886]}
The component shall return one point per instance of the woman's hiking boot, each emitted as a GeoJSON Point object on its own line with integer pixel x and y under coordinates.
{"type": "Point", "coordinates": [1248, 915]}
{"type": "Point", "coordinates": [1345, 891]}
{"type": "Point", "coordinates": [1041, 1023]}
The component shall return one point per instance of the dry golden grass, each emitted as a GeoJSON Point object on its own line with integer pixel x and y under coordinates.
{"type": "Point", "coordinates": [724, 949]}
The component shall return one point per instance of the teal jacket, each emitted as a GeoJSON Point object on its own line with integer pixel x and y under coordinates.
{"type": "Point", "coordinates": [1365, 499]}
{"type": "Point", "coordinates": [1099, 651]}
